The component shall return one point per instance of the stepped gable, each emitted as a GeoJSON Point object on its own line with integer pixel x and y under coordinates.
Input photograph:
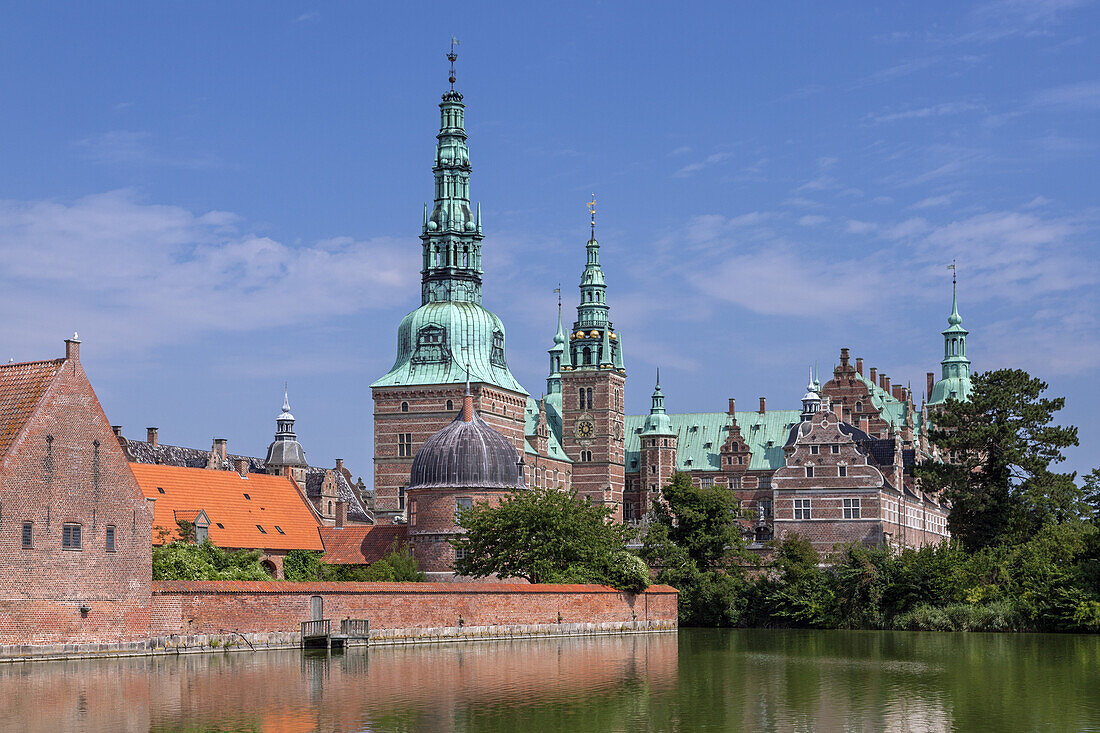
{"type": "Point", "coordinates": [144, 452]}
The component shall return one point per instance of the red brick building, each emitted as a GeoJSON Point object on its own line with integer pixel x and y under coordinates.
{"type": "Point", "coordinates": [74, 525]}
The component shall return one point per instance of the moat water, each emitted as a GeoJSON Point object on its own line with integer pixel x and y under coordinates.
{"type": "Point", "coordinates": [696, 680]}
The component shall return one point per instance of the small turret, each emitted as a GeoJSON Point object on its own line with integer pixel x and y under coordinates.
{"type": "Point", "coordinates": [285, 450]}
{"type": "Point", "coordinates": [954, 380]}
{"type": "Point", "coordinates": [811, 401]}
{"type": "Point", "coordinates": [657, 422]}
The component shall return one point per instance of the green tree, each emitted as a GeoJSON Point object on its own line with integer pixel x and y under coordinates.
{"type": "Point", "coordinates": [694, 523]}
{"type": "Point", "coordinates": [1091, 491]}
{"type": "Point", "coordinates": [998, 447]}
{"type": "Point", "coordinates": [543, 535]}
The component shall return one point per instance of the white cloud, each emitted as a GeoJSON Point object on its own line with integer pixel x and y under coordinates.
{"type": "Point", "coordinates": [932, 201]}
{"type": "Point", "coordinates": [811, 220]}
{"type": "Point", "coordinates": [125, 147]}
{"type": "Point", "coordinates": [135, 274]}
{"type": "Point", "coordinates": [938, 110]}
{"type": "Point", "coordinates": [693, 168]}
{"type": "Point", "coordinates": [1083, 95]}
{"type": "Point", "coordinates": [854, 226]}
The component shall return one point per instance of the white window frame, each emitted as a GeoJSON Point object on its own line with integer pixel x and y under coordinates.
{"type": "Point", "coordinates": [803, 509]}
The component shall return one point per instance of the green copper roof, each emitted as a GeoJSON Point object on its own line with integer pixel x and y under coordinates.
{"type": "Point", "coordinates": [437, 340]}
{"type": "Point", "coordinates": [955, 368]}
{"type": "Point", "coordinates": [658, 421]}
{"type": "Point", "coordinates": [700, 436]}
{"type": "Point", "coordinates": [553, 422]}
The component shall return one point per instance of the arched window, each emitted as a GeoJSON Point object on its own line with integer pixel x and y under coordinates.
{"type": "Point", "coordinates": [466, 256]}
{"type": "Point", "coordinates": [404, 407]}
{"type": "Point", "coordinates": [859, 407]}
{"type": "Point", "coordinates": [450, 405]}
{"type": "Point", "coordinates": [580, 396]}
{"type": "Point", "coordinates": [330, 507]}
{"type": "Point", "coordinates": [589, 398]}
{"type": "Point", "coordinates": [587, 355]}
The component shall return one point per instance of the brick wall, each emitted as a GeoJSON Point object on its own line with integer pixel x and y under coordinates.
{"type": "Point", "coordinates": [259, 607]}
{"type": "Point", "coordinates": [67, 467]}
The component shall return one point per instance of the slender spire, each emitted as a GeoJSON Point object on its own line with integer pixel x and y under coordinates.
{"type": "Point", "coordinates": [592, 330]}
{"type": "Point", "coordinates": [657, 422]}
{"type": "Point", "coordinates": [451, 235]}
{"type": "Point", "coordinates": [592, 214]}
{"type": "Point", "coordinates": [285, 414]}
{"type": "Point", "coordinates": [955, 367]}
{"type": "Point", "coordinates": [452, 57]}
{"type": "Point", "coordinates": [811, 401]}
{"type": "Point", "coordinates": [468, 399]}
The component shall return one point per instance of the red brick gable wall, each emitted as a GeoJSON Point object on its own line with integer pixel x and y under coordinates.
{"type": "Point", "coordinates": [66, 466]}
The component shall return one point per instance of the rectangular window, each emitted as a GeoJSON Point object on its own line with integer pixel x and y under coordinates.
{"type": "Point", "coordinates": [262, 530]}
{"type": "Point", "coordinates": [70, 537]}
{"type": "Point", "coordinates": [706, 482]}
{"type": "Point", "coordinates": [202, 534]}
{"type": "Point", "coordinates": [462, 504]}
{"type": "Point", "coordinates": [809, 471]}
{"type": "Point", "coordinates": [814, 450]}
{"type": "Point", "coordinates": [460, 553]}
{"type": "Point", "coordinates": [851, 509]}
{"type": "Point", "coordinates": [28, 535]}
{"type": "Point", "coordinates": [835, 448]}
{"type": "Point", "coordinates": [842, 471]}
{"type": "Point", "coordinates": [109, 537]}
{"type": "Point", "coordinates": [400, 498]}
{"type": "Point", "coordinates": [735, 482]}
{"type": "Point", "coordinates": [765, 507]}
{"type": "Point", "coordinates": [412, 512]}
{"type": "Point", "coordinates": [404, 445]}
{"type": "Point", "coordinates": [801, 508]}
{"type": "Point", "coordinates": [765, 482]}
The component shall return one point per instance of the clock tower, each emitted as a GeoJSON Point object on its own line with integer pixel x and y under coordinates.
{"type": "Point", "coordinates": [593, 381]}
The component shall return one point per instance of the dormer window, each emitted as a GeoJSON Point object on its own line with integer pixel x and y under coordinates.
{"type": "Point", "coordinates": [496, 355]}
{"type": "Point", "coordinates": [431, 345]}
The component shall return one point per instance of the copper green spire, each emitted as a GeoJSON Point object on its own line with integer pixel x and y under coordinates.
{"type": "Point", "coordinates": [594, 343]}
{"type": "Point", "coordinates": [557, 352]}
{"type": "Point", "coordinates": [451, 236]}
{"type": "Point", "coordinates": [955, 367]}
{"type": "Point", "coordinates": [657, 422]}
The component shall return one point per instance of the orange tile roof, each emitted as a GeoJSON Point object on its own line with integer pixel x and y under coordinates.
{"type": "Point", "coordinates": [272, 503]}
{"type": "Point", "coordinates": [21, 387]}
{"type": "Point", "coordinates": [359, 544]}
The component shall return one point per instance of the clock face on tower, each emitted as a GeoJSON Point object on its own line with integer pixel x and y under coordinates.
{"type": "Point", "coordinates": [585, 428]}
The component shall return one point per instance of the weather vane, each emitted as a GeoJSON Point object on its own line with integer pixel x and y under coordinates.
{"type": "Point", "coordinates": [452, 56]}
{"type": "Point", "coordinates": [592, 212]}
{"type": "Point", "coordinates": [952, 268]}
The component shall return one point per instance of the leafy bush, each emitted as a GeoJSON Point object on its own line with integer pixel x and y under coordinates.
{"type": "Point", "coordinates": [626, 571]}
{"type": "Point", "coordinates": [185, 561]}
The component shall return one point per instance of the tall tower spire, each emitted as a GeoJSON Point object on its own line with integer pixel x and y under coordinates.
{"type": "Point", "coordinates": [594, 343]}
{"type": "Point", "coordinates": [955, 367]}
{"type": "Point", "coordinates": [451, 236]}
{"type": "Point", "coordinates": [559, 354]}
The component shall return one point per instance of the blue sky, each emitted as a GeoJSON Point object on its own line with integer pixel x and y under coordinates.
{"type": "Point", "coordinates": [221, 197]}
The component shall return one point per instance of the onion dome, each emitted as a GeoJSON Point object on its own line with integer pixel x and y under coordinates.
{"type": "Point", "coordinates": [467, 454]}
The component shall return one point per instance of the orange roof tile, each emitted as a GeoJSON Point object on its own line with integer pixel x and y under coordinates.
{"type": "Point", "coordinates": [21, 387]}
{"type": "Point", "coordinates": [360, 544]}
{"type": "Point", "coordinates": [236, 507]}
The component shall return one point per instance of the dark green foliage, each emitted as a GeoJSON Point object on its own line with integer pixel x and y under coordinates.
{"type": "Point", "coordinates": [186, 561]}
{"type": "Point", "coordinates": [1001, 445]}
{"type": "Point", "coordinates": [545, 535]}
{"type": "Point", "coordinates": [695, 540]}
{"type": "Point", "coordinates": [398, 565]}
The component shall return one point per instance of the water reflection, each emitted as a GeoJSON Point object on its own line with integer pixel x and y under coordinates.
{"type": "Point", "coordinates": [697, 680]}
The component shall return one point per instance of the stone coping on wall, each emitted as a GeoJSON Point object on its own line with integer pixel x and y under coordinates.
{"type": "Point", "coordinates": [184, 587]}
{"type": "Point", "coordinates": [224, 643]}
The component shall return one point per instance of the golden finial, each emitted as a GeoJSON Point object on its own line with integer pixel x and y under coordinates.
{"type": "Point", "coordinates": [592, 212]}
{"type": "Point", "coordinates": [452, 56]}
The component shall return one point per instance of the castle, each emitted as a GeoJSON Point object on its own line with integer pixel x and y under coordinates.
{"type": "Point", "coordinates": [838, 470]}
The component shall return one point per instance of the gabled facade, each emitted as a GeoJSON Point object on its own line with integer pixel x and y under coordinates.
{"type": "Point", "coordinates": [74, 525]}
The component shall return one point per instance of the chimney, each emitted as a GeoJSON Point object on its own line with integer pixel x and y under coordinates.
{"type": "Point", "coordinates": [341, 513]}
{"type": "Point", "coordinates": [864, 423]}
{"type": "Point", "coordinates": [117, 429]}
{"type": "Point", "coordinates": [340, 465]}
{"type": "Point", "coordinates": [242, 466]}
{"type": "Point", "coordinates": [733, 406]}
{"type": "Point", "coordinates": [844, 358]}
{"type": "Point", "coordinates": [873, 376]}
{"type": "Point", "coordinates": [931, 377]}
{"type": "Point", "coordinates": [897, 391]}
{"type": "Point", "coordinates": [72, 348]}
{"type": "Point", "coordinates": [151, 436]}
{"type": "Point", "coordinates": [221, 448]}
{"type": "Point", "coordinates": [885, 383]}
{"type": "Point", "coordinates": [838, 410]}
{"type": "Point", "coordinates": [859, 365]}
{"type": "Point", "coordinates": [762, 405]}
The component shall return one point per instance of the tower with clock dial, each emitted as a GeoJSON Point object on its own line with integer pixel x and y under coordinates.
{"type": "Point", "coordinates": [592, 380]}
